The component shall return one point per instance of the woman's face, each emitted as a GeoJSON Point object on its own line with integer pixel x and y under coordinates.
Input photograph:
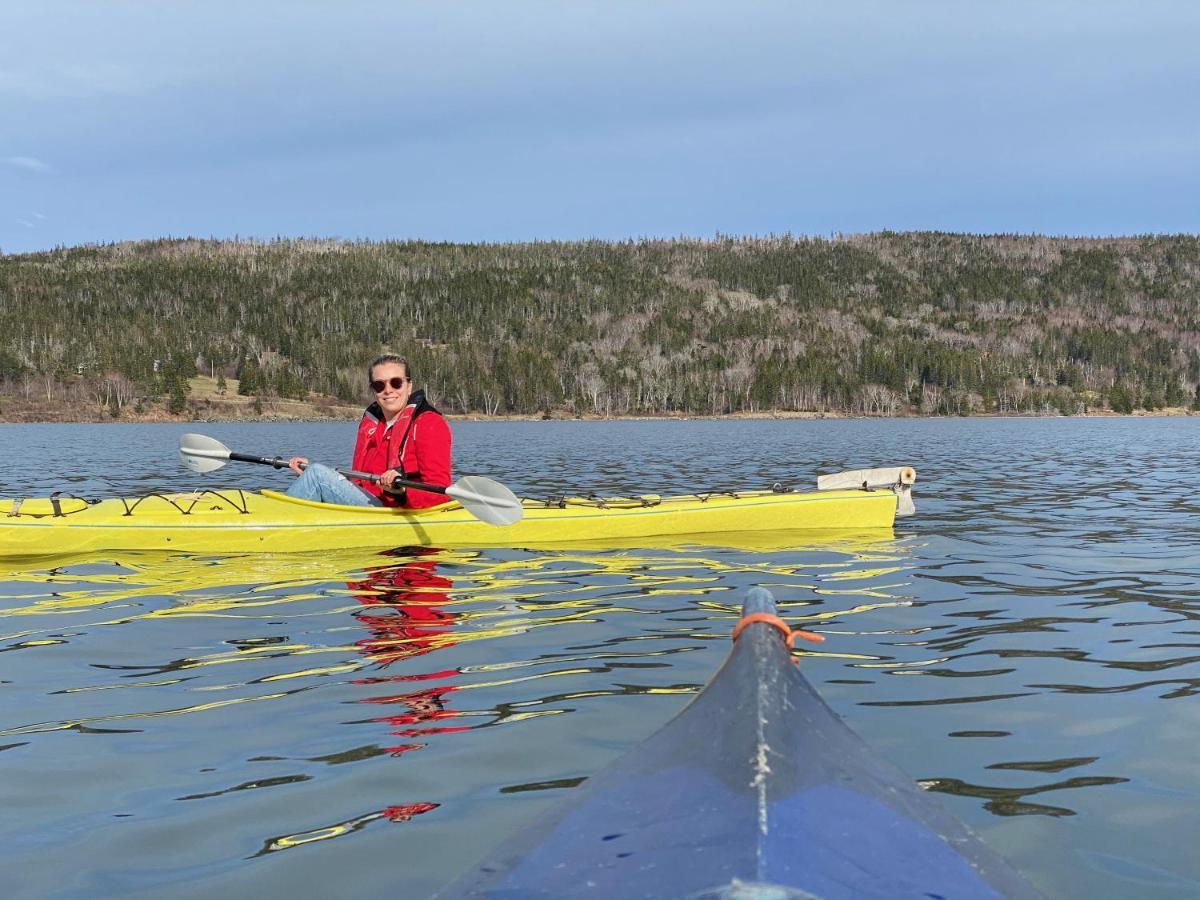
{"type": "Point", "coordinates": [384, 380]}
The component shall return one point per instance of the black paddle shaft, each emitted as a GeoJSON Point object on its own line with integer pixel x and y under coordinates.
{"type": "Point", "coordinates": [280, 463]}
{"type": "Point", "coordinates": [398, 483]}
{"type": "Point", "coordinates": [275, 462]}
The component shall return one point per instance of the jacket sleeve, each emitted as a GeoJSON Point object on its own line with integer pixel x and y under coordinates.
{"type": "Point", "coordinates": [431, 452]}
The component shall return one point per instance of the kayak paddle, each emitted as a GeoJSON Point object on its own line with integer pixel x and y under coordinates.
{"type": "Point", "coordinates": [485, 499]}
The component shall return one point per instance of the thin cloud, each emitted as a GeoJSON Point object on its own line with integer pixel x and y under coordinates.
{"type": "Point", "coordinates": [25, 222]}
{"type": "Point", "coordinates": [29, 163]}
{"type": "Point", "coordinates": [39, 81]}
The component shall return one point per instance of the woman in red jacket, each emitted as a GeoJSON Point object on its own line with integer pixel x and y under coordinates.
{"type": "Point", "coordinates": [400, 436]}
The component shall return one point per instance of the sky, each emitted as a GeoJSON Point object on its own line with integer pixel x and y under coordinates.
{"type": "Point", "coordinates": [518, 120]}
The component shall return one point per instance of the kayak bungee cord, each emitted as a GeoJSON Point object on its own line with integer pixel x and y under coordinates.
{"type": "Point", "coordinates": [193, 500]}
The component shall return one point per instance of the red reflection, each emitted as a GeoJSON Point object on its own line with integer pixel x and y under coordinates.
{"type": "Point", "coordinates": [405, 811]}
{"type": "Point", "coordinates": [404, 617]}
{"type": "Point", "coordinates": [405, 620]}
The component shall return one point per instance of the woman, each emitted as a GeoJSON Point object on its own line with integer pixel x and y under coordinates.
{"type": "Point", "coordinates": [400, 436]}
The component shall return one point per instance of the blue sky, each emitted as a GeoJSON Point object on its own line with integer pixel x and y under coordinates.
{"type": "Point", "coordinates": [496, 121]}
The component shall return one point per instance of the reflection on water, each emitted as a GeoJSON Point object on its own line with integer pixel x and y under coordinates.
{"type": "Point", "coordinates": [1027, 647]}
{"type": "Point", "coordinates": [289, 667]}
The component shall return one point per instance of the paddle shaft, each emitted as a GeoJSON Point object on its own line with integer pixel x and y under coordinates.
{"type": "Point", "coordinates": [399, 482]}
{"type": "Point", "coordinates": [280, 463]}
{"type": "Point", "coordinates": [276, 462]}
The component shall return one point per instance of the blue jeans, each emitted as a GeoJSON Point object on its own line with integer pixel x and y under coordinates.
{"type": "Point", "coordinates": [324, 485]}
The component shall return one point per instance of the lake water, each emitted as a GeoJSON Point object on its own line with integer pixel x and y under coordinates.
{"type": "Point", "coordinates": [361, 724]}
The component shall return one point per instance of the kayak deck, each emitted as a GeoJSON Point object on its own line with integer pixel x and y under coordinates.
{"type": "Point", "coordinates": [756, 789]}
{"type": "Point", "coordinates": [237, 521]}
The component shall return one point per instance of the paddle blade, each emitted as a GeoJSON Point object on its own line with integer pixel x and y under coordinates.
{"type": "Point", "coordinates": [487, 500]}
{"type": "Point", "coordinates": [201, 453]}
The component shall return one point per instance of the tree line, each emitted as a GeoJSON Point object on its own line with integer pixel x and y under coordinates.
{"type": "Point", "coordinates": [889, 323]}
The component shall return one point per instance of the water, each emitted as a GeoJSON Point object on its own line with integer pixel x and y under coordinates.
{"type": "Point", "coordinates": [365, 724]}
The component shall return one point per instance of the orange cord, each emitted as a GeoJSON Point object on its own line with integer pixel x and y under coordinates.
{"type": "Point", "coordinates": [783, 627]}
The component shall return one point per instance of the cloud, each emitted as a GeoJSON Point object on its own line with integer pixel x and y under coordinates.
{"type": "Point", "coordinates": [25, 222]}
{"type": "Point", "coordinates": [30, 163]}
{"type": "Point", "coordinates": [38, 81]}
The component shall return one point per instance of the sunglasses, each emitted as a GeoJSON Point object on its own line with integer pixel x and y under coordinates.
{"type": "Point", "coordinates": [395, 381]}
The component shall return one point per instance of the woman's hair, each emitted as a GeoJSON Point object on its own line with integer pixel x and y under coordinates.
{"type": "Point", "coordinates": [389, 358]}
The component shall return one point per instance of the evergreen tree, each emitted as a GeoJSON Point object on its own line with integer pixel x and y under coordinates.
{"type": "Point", "coordinates": [178, 396]}
{"type": "Point", "coordinates": [1119, 400]}
{"type": "Point", "coordinates": [250, 380]}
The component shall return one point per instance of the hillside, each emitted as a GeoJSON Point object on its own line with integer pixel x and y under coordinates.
{"type": "Point", "coordinates": [879, 324]}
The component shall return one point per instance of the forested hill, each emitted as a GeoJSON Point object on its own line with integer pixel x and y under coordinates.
{"type": "Point", "coordinates": [879, 324]}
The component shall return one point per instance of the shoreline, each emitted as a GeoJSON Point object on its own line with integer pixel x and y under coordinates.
{"type": "Point", "coordinates": [210, 401]}
{"type": "Point", "coordinates": [159, 417]}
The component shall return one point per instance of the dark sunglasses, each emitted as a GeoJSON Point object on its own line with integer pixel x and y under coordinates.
{"type": "Point", "coordinates": [395, 381]}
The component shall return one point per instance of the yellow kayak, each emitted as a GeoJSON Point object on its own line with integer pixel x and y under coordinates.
{"type": "Point", "coordinates": [236, 521]}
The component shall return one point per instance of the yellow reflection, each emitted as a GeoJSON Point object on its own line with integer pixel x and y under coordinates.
{"type": "Point", "coordinates": [365, 603]}
{"type": "Point", "coordinates": [120, 717]}
{"type": "Point", "coordinates": [858, 574]}
{"type": "Point", "coordinates": [401, 813]}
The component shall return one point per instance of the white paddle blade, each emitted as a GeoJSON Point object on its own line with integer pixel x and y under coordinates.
{"type": "Point", "coordinates": [201, 453]}
{"type": "Point", "coordinates": [487, 500]}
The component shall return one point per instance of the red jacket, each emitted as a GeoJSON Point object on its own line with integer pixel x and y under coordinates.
{"type": "Point", "coordinates": [418, 447]}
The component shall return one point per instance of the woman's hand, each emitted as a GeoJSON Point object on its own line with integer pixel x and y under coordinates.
{"type": "Point", "coordinates": [297, 463]}
{"type": "Point", "coordinates": [388, 480]}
